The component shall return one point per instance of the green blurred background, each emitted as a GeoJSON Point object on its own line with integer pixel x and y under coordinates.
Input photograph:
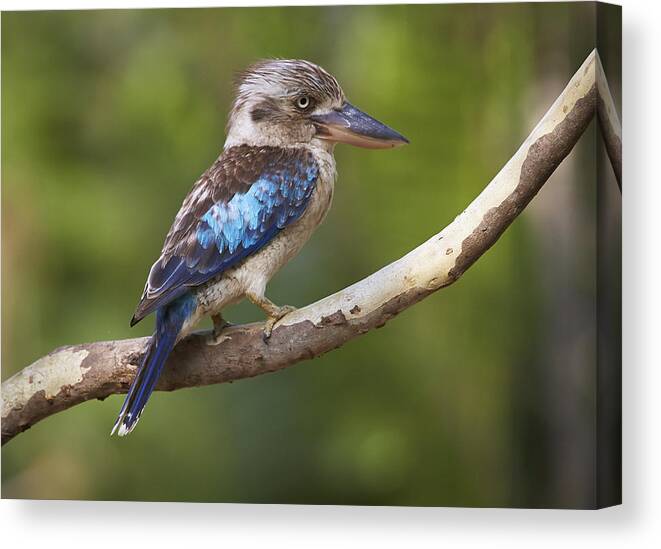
{"type": "Point", "coordinates": [483, 394]}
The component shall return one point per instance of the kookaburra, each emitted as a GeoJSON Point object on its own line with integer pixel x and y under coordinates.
{"type": "Point", "coordinates": [252, 210]}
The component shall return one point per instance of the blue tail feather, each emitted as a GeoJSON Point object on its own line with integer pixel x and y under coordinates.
{"type": "Point", "coordinates": [169, 321]}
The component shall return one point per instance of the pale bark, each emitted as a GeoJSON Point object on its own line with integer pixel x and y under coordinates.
{"type": "Point", "coordinates": [77, 373]}
{"type": "Point", "coordinates": [609, 122]}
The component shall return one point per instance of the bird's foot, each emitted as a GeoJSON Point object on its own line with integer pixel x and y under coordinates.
{"type": "Point", "coordinates": [270, 322]}
{"type": "Point", "coordinates": [219, 326]}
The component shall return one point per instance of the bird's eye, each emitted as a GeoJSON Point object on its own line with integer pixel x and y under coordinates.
{"type": "Point", "coordinates": [303, 102]}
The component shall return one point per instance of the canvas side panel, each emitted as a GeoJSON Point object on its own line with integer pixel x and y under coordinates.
{"type": "Point", "coordinates": [609, 278]}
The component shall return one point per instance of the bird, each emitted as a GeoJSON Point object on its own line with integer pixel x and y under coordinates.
{"type": "Point", "coordinates": [252, 211]}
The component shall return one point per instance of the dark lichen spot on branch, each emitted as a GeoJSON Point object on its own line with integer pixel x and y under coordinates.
{"type": "Point", "coordinates": [337, 318]}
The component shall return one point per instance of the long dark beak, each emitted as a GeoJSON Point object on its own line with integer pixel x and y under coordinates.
{"type": "Point", "coordinates": [351, 125]}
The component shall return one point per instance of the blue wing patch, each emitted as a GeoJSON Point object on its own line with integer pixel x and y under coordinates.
{"type": "Point", "coordinates": [246, 198]}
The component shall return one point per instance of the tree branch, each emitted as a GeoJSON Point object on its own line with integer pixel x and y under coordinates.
{"type": "Point", "coordinates": [609, 122]}
{"type": "Point", "coordinates": [77, 373]}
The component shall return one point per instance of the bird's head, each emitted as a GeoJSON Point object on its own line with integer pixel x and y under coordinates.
{"type": "Point", "coordinates": [288, 102]}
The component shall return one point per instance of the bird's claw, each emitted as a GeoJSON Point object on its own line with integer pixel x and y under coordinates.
{"type": "Point", "coordinates": [271, 321]}
{"type": "Point", "coordinates": [219, 326]}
